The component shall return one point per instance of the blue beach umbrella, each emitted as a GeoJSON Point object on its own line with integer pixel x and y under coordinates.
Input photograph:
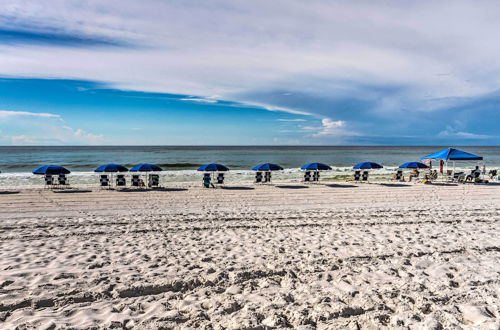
{"type": "Point", "coordinates": [316, 167]}
{"type": "Point", "coordinates": [213, 168]}
{"type": "Point", "coordinates": [111, 168]}
{"type": "Point", "coordinates": [146, 168]}
{"type": "Point", "coordinates": [452, 154]}
{"type": "Point", "coordinates": [367, 166]}
{"type": "Point", "coordinates": [413, 165]}
{"type": "Point", "coordinates": [51, 170]}
{"type": "Point", "coordinates": [267, 167]}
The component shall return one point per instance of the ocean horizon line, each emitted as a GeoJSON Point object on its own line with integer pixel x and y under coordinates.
{"type": "Point", "coordinates": [254, 146]}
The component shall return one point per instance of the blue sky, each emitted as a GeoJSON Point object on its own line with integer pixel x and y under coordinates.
{"type": "Point", "coordinates": [226, 72]}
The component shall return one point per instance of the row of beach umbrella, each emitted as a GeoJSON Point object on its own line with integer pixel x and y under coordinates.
{"type": "Point", "coordinates": [447, 154]}
{"type": "Point", "coordinates": [213, 167]}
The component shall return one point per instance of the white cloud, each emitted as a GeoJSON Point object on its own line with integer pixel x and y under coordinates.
{"type": "Point", "coordinates": [21, 140]}
{"type": "Point", "coordinates": [4, 114]}
{"type": "Point", "coordinates": [330, 129]}
{"type": "Point", "coordinates": [230, 48]}
{"type": "Point", "coordinates": [291, 120]}
{"type": "Point", "coordinates": [41, 129]}
{"type": "Point", "coordinates": [276, 109]}
{"type": "Point", "coordinates": [199, 100]}
{"type": "Point", "coordinates": [452, 132]}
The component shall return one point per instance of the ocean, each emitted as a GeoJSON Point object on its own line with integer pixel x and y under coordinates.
{"type": "Point", "coordinates": [180, 162]}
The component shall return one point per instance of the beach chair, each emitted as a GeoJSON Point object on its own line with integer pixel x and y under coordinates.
{"type": "Point", "coordinates": [414, 174]}
{"type": "Point", "coordinates": [135, 181]}
{"type": "Point", "coordinates": [474, 176]}
{"type": "Point", "coordinates": [267, 177]}
{"type": "Point", "coordinates": [154, 181]}
{"type": "Point", "coordinates": [431, 176]}
{"type": "Point", "coordinates": [49, 181]}
{"type": "Point", "coordinates": [120, 180]}
{"type": "Point", "coordinates": [364, 177]}
{"type": "Point", "coordinates": [207, 180]}
{"type": "Point", "coordinates": [316, 176]}
{"type": "Point", "coordinates": [398, 176]}
{"type": "Point", "coordinates": [220, 178]}
{"type": "Point", "coordinates": [357, 175]}
{"type": "Point", "coordinates": [258, 177]}
{"type": "Point", "coordinates": [459, 177]}
{"type": "Point", "coordinates": [62, 180]}
{"type": "Point", "coordinates": [307, 176]}
{"type": "Point", "coordinates": [104, 181]}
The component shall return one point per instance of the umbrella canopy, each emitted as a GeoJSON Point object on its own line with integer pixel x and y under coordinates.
{"type": "Point", "coordinates": [413, 165]}
{"type": "Point", "coordinates": [316, 167]}
{"type": "Point", "coordinates": [146, 168]}
{"type": "Point", "coordinates": [452, 154]}
{"type": "Point", "coordinates": [213, 168]}
{"type": "Point", "coordinates": [367, 166]}
{"type": "Point", "coordinates": [51, 169]}
{"type": "Point", "coordinates": [111, 168]}
{"type": "Point", "coordinates": [267, 167]}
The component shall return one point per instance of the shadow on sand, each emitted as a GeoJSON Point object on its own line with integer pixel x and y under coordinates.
{"type": "Point", "coordinates": [169, 189]}
{"type": "Point", "coordinates": [336, 185]}
{"type": "Point", "coordinates": [148, 189]}
{"type": "Point", "coordinates": [71, 191]}
{"type": "Point", "coordinates": [395, 185]}
{"type": "Point", "coordinates": [291, 187]}
{"type": "Point", "coordinates": [9, 192]}
{"type": "Point", "coordinates": [491, 184]}
{"type": "Point", "coordinates": [134, 190]}
{"type": "Point", "coordinates": [238, 188]}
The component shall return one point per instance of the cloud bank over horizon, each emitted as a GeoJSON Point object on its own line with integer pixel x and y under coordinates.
{"type": "Point", "coordinates": [362, 72]}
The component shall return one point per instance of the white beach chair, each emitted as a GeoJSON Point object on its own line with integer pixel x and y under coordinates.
{"type": "Point", "coordinates": [364, 177]}
{"type": "Point", "coordinates": [62, 180]}
{"type": "Point", "coordinates": [316, 176]}
{"type": "Point", "coordinates": [49, 181]}
{"type": "Point", "coordinates": [307, 176]}
{"type": "Point", "coordinates": [120, 180]}
{"type": "Point", "coordinates": [258, 177]}
{"type": "Point", "coordinates": [154, 180]}
{"type": "Point", "coordinates": [104, 181]}
{"type": "Point", "coordinates": [135, 181]}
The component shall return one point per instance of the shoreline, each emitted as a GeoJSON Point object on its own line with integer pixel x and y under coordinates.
{"type": "Point", "coordinates": [194, 177]}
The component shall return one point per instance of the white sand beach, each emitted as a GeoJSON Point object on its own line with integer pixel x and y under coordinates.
{"type": "Point", "coordinates": [340, 255]}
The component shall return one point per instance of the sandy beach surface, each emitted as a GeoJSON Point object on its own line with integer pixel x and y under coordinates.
{"type": "Point", "coordinates": [365, 256]}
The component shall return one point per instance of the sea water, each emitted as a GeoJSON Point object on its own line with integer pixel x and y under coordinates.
{"type": "Point", "coordinates": [180, 162]}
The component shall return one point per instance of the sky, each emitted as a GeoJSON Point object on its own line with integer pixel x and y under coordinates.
{"type": "Point", "coordinates": [233, 72]}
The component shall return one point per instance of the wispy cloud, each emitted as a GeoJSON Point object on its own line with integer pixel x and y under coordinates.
{"type": "Point", "coordinates": [37, 37]}
{"type": "Point", "coordinates": [199, 100]}
{"type": "Point", "coordinates": [291, 120]}
{"type": "Point", "coordinates": [451, 132]}
{"type": "Point", "coordinates": [43, 128]}
{"type": "Point", "coordinates": [375, 65]}
{"type": "Point", "coordinates": [4, 114]}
